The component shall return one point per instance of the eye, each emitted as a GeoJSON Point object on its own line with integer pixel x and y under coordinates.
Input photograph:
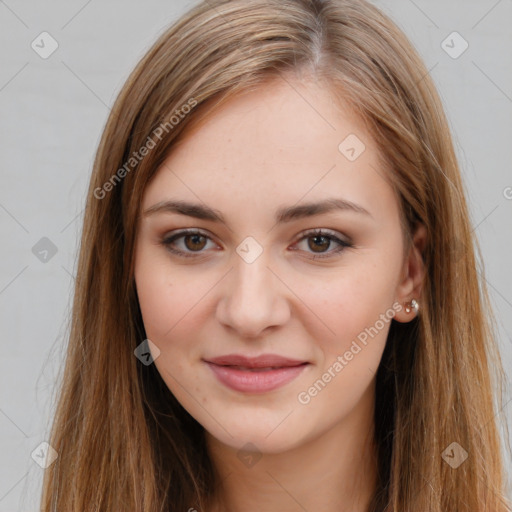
{"type": "Point", "coordinates": [195, 241]}
{"type": "Point", "coordinates": [320, 239]}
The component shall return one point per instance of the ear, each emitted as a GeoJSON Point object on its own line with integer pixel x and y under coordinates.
{"type": "Point", "coordinates": [411, 280]}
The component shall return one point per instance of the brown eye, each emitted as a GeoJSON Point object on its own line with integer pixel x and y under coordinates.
{"type": "Point", "coordinates": [192, 241]}
{"type": "Point", "coordinates": [319, 242]}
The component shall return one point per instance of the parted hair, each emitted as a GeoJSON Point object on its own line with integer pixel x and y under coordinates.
{"type": "Point", "coordinates": [124, 442]}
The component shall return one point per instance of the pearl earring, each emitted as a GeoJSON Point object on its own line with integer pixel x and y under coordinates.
{"type": "Point", "coordinates": [414, 305]}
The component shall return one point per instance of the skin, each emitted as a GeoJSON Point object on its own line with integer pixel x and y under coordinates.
{"type": "Point", "coordinates": [272, 147]}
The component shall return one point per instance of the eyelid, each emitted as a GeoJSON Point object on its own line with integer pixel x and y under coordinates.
{"type": "Point", "coordinates": [324, 231]}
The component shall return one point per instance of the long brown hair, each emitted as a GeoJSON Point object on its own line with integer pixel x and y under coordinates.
{"type": "Point", "coordinates": [123, 441]}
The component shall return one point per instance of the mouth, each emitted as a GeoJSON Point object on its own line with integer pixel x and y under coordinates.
{"type": "Point", "coordinates": [265, 361]}
{"type": "Point", "coordinates": [256, 379]}
{"type": "Point", "coordinates": [249, 369]}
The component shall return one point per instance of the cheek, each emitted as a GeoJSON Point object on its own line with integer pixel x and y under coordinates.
{"type": "Point", "coordinates": [156, 300]}
{"type": "Point", "coordinates": [170, 320]}
{"type": "Point", "coordinates": [156, 293]}
{"type": "Point", "coordinates": [343, 306]}
{"type": "Point", "coordinates": [172, 302]}
{"type": "Point", "coordinates": [165, 306]}
{"type": "Point", "coordinates": [357, 307]}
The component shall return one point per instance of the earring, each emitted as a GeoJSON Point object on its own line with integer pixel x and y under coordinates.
{"type": "Point", "coordinates": [414, 305]}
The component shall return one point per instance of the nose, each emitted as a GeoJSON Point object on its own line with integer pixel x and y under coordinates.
{"type": "Point", "coordinates": [254, 298]}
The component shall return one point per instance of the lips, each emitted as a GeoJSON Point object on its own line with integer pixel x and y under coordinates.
{"type": "Point", "coordinates": [263, 361]}
{"type": "Point", "coordinates": [257, 374]}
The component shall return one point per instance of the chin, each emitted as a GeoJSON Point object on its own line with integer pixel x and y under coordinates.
{"type": "Point", "coordinates": [254, 438]}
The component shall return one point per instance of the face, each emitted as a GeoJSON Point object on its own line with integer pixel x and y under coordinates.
{"type": "Point", "coordinates": [313, 287]}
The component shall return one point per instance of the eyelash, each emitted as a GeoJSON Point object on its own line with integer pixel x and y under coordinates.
{"type": "Point", "coordinates": [167, 242]}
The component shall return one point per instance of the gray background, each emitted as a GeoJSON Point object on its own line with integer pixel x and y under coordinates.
{"type": "Point", "coordinates": [52, 112]}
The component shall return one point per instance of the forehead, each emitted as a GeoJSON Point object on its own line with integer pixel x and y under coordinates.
{"type": "Point", "coordinates": [284, 116]}
{"type": "Point", "coordinates": [274, 145]}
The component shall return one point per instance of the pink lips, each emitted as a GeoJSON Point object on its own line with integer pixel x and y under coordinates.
{"type": "Point", "coordinates": [258, 374]}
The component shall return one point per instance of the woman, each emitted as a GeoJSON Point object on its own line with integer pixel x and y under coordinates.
{"type": "Point", "coordinates": [277, 303]}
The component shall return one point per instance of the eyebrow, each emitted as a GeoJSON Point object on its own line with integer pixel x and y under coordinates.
{"type": "Point", "coordinates": [283, 214]}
